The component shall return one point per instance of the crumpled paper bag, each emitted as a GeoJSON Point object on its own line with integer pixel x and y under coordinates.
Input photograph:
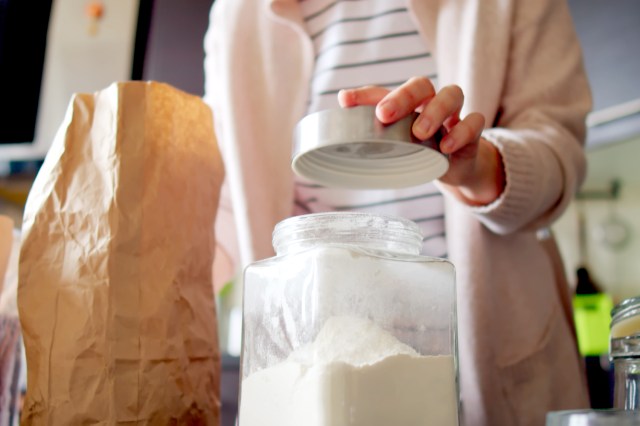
{"type": "Point", "coordinates": [115, 294]}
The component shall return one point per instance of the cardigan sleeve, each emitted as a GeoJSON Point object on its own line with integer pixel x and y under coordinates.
{"type": "Point", "coordinates": [541, 130]}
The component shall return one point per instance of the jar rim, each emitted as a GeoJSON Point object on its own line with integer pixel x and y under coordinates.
{"type": "Point", "coordinates": [343, 226]}
{"type": "Point", "coordinates": [625, 309]}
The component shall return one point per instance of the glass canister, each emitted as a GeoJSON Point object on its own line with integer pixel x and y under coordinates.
{"type": "Point", "coordinates": [625, 354]}
{"type": "Point", "coordinates": [601, 417]}
{"type": "Point", "coordinates": [348, 325]}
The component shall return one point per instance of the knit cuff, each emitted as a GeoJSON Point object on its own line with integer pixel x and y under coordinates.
{"type": "Point", "coordinates": [517, 202]}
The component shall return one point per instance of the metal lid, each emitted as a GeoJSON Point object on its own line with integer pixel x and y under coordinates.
{"type": "Point", "coordinates": [625, 309]}
{"type": "Point", "coordinates": [351, 148]}
{"type": "Point", "coordinates": [625, 318]}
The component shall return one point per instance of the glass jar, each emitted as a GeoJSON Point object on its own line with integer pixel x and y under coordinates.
{"type": "Point", "coordinates": [598, 417]}
{"type": "Point", "coordinates": [349, 325]}
{"type": "Point", "coordinates": [625, 318]}
{"type": "Point", "coordinates": [625, 354]}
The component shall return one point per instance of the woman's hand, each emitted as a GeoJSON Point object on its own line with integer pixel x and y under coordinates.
{"type": "Point", "coordinates": [476, 173]}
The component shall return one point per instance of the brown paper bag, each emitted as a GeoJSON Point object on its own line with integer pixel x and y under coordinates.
{"type": "Point", "coordinates": [115, 293]}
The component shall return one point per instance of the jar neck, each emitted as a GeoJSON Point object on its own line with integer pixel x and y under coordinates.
{"type": "Point", "coordinates": [625, 309]}
{"type": "Point", "coordinates": [625, 347]}
{"type": "Point", "coordinates": [365, 230]}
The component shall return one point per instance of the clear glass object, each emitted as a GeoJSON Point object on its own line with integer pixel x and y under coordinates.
{"type": "Point", "coordinates": [625, 318]}
{"type": "Point", "coordinates": [625, 354]}
{"type": "Point", "coordinates": [593, 418]}
{"type": "Point", "coordinates": [348, 325]}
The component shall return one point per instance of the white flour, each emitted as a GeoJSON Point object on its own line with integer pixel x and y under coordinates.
{"type": "Point", "coordinates": [354, 374]}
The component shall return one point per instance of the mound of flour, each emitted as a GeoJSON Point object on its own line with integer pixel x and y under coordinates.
{"type": "Point", "coordinates": [353, 374]}
{"type": "Point", "coordinates": [351, 340]}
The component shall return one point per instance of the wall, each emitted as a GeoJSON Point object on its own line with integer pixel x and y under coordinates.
{"type": "Point", "coordinates": [615, 269]}
{"type": "Point", "coordinates": [175, 52]}
{"type": "Point", "coordinates": [608, 32]}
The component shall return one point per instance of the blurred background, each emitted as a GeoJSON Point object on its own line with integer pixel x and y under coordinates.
{"type": "Point", "coordinates": [56, 48]}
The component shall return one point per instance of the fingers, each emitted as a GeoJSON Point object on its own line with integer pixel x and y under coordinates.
{"type": "Point", "coordinates": [391, 105]}
{"type": "Point", "coordinates": [444, 107]}
{"type": "Point", "coordinates": [367, 95]}
{"type": "Point", "coordinates": [418, 93]}
{"type": "Point", "coordinates": [463, 138]}
{"type": "Point", "coordinates": [405, 99]}
{"type": "Point", "coordinates": [475, 171]}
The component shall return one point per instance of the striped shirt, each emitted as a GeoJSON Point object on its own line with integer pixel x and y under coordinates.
{"type": "Point", "coordinates": [363, 42]}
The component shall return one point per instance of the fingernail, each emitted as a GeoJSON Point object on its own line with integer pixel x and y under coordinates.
{"type": "Point", "coordinates": [421, 127]}
{"type": "Point", "coordinates": [447, 144]}
{"type": "Point", "coordinates": [344, 98]}
{"type": "Point", "coordinates": [386, 110]}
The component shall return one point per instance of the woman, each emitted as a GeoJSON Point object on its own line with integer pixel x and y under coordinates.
{"type": "Point", "coordinates": [506, 78]}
